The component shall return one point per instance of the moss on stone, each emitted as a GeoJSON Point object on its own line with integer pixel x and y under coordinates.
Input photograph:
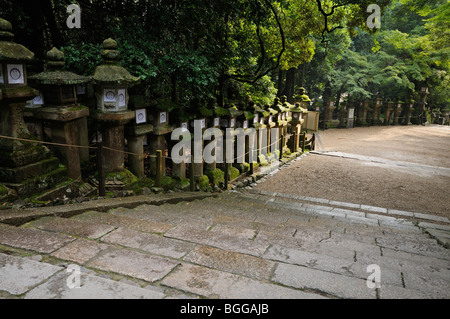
{"type": "Point", "coordinates": [124, 176]}
{"type": "Point", "coordinates": [3, 190]}
{"type": "Point", "coordinates": [203, 183]}
{"type": "Point", "coordinates": [234, 173]}
{"type": "Point", "coordinates": [167, 183]}
{"type": "Point", "coordinates": [216, 176]}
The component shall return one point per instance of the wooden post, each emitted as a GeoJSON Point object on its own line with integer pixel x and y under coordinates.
{"type": "Point", "coordinates": [158, 167]}
{"type": "Point", "coordinates": [303, 142]}
{"type": "Point", "coordinates": [226, 176]}
{"type": "Point", "coordinates": [191, 174]}
{"type": "Point", "coordinates": [101, 170]}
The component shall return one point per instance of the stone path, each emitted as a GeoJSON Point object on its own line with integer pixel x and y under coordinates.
{"type": "Point", "coordinates": [253, 244]}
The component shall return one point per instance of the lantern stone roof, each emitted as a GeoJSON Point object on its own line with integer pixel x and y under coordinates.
{"type": "Point", "coordinates": [111, 72]}
{"type": "Point", "coordinates": [233, 111]}
{"type": "Point", "coordinates": [55, 75]}
{"type": "Point", "coordinates": [9, 50]}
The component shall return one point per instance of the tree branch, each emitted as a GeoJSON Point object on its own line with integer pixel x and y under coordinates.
{"type": "Point", "coordinates": [326, 15]}
{"type": "Point", "coordinates": [244, 78]}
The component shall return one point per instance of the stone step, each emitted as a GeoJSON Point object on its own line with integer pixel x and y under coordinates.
{"type": "Point", "coordinates": [32, 239]}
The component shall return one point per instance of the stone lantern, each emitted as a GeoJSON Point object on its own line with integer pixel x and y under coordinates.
{"type": "Point", "coordinates": [272, 122]}
{"type": "Point", "coordinates": [159, 116]}
{"type": "Point", "coordinates": [66, 117]}
{"type": "Point", "coordinates": [329, 109]}
{"type": "Point", "coordinates": [137, 130]}
{"type": "Point", "coordinates": [397, 111]}
{"type": "Point", "coordinates": [111, 91]}
{"type": "Point", "coordinates": [26, 167]}
{"type": "Point", "coordinates": [423, 103]}
{"type": "Point", "coordinates": [408, 108]}
{"type": "Point", "coordinates": [362, 113]}
{"type": "Point", "coordinates": [388, 112]}
{"type": "Point", "coordinates": [377, 111]}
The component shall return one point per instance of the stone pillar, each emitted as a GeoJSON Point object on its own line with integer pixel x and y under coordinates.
{"type": "Point", "coordinates": [397, 112]}
{"type": "Point", "coordinates": [342, 116]}
{"type": "Point", "coordinates": [388, 113]}
{"type": "Point", "coordinates": [135, 138]}
{"type": "Point", "coordinates": [376, 112]}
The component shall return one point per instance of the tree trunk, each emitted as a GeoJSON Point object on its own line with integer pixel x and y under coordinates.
{"type": "Point", "coordinates": [290, 84]}
{"type": "Point", "coordinates": [281, 75]}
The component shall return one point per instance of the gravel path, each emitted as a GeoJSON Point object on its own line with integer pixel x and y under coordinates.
{"type": "Point", "coordinates": [410, 172]}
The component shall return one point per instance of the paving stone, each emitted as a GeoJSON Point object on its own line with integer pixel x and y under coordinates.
{"type": "Point", "coordinates": [79, 251]}
{"type": "Point", "coordinates": [217, 239]}
{"type": "Point", "coordinates": [343, 204]}
{"type": "Point", "coordinates": [330, 283]}
{"type": "Point", "coordinates": [403, 256]}
{"type": "Point", "coordinates": [374, 209]}
{"type": "Point", "coordinates": [217, 284]}
{"type": "Point", "coordinates": [32, 239]}
{"type": "Point", "coordinates": [436, 284]}
{"type": "Point", "coordinates": [301, 257]}
{"type": "Point", "coordinates": [91, 287]}
{"type": "Point", "coordinates": [415, 247]}
{"type": "Point", "coordinates": [133, 264]}
{"type": "Point", "coordinates": [400, 213]}
{"type": "Point", "coordinates": [396, 292]}
{"type": "Point", "coordinates": [148, 242]}
{"type": "Point", "coordinates": [73, 227]}
{"type": "Point", "coordinates": [432, 217]}
{"type": "Point", "coordinates": [18, 275]}
{"type": "Point", "coordinates": [123, 221]}
{"type": "Point", "coordinates": [435, 226]}
{"type": "Point", "coordinates": [233, 262]}
{"type": "Point", "coordinates": [234, 231]}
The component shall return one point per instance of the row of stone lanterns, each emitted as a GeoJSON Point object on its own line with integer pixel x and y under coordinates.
{"type": "Point", "coordinates": [395, 113]}
{"type": "Point", "coordinates": [53, 98]}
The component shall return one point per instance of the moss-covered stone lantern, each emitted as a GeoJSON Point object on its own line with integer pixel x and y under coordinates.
{"type": "Point", "coordinates": [397, 111]}
{"type": "Point", "coordinates": [111, 82]}
{"type": "Point", "coordinates": [388, 112]}
{"type": "Point", "coordinates": [66, 118]}
{"type": "Point", "coordinates": [377, 111]}
{"type": "Point", "coordinates": [26, 167]}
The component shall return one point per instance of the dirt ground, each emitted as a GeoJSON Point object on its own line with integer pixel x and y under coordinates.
{"type": "Point", "coordinates": [411, 187]}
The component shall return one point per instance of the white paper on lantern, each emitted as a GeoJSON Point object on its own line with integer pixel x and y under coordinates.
{"type": "Point", "coordinates": [262, 121]}
{"type": "Point", "coordinates": [270, 119]}
{"type": "Point", "coordinates": [217, 121]}
{"type": "Point", "coordinates": [15, 74]}
{"type": "Point", "coordinates": [255, 119]}
{"type": "Point", "coordinates": [203, 123]}
{"type": "Point", "coordinates": [245, 124]}
{"type": "Point", "coordinates": [109, 95]}
{"type": "Point", "coordinates": [184, 126]}
{"type": "Point", "coordinates": [162, 117]}
{"type": "Point", "coordinates": [351, 113]}
{"type": "Point", "coordinates": [122, 93]}
{"type": "Point", "coordinates": [38, 100]}
{"type": "Point", "coordinates": [81, 89]}
{"type": "Point", "coordinates": [141, 116]}
{"type": "Point", "coordinates": [232, 123]}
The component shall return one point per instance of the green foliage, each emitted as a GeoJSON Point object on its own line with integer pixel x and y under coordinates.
{"type": "Point", "coordinates": [203, 183]}
{"type": "Point", "coordinates": [216, 176]}
{"type": "Point", "coordinates": [167, 183]}
{"type": "Point", "coordinates": [82, 59]}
